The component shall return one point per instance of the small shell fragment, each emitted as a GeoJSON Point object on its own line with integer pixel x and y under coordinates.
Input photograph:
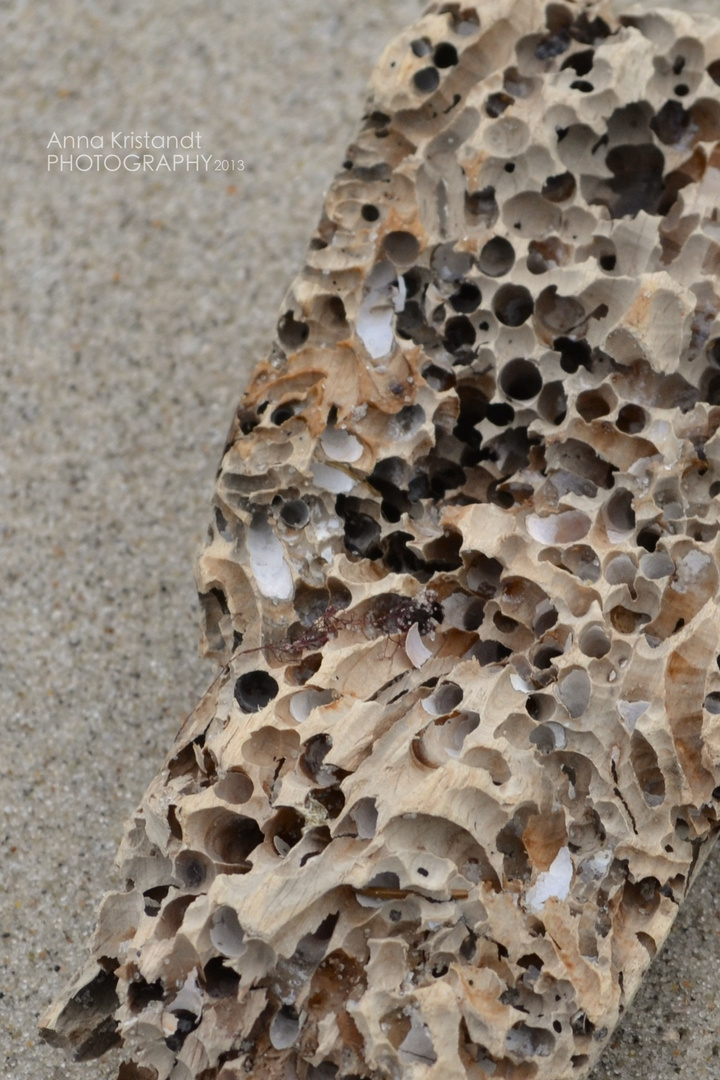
{"type": "Point", "coordinates": [490, 424]}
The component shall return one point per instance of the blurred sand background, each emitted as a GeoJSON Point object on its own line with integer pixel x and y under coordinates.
{"type": "Point", "coordinates": [132, 307]}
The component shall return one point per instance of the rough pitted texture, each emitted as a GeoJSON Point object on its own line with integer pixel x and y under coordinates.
{"type": "Point", "coordinates": [437, 812]}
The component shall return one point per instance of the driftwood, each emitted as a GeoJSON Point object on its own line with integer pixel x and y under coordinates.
{"type": "Point", "coordinates": [461, 764]}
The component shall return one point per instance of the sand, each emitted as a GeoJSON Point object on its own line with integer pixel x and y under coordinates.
{"type": "Point", "coordinates": [132, 306]}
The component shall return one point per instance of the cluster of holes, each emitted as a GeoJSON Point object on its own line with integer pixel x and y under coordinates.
{"type": "Point", "coordinates": [456, 324]}
{"type": "Point", "coordinates": [438, 58]}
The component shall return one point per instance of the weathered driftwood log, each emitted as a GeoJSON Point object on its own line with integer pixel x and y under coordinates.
{"type": "Point", "coordinates": [436, 814]}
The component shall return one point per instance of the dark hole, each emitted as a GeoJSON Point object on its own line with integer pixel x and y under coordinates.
{"type": "Point", "coordinates": [254, 690]}
{"type": "Point", "coordinates": [516, 84]}
{"type": "Point", "coordinates": [557, 17]}
{"type": "Point", "coordinates": [587, 31]}
{"type": "Point", "coordinates": [553, 45]}
{"type": "Point", "coordinates": [401, 247]}
{"type": "Point", "coordinates": [500, 498]}
{"type": "Point", "coordinates": [637, 182]}
{"type": "Point", "coordinates": [539, 707]}
{"type": "Point", "coordinates": [712, 703]}
{"type": "Point", "coordinates": [583, 86]}
{"type": "Point", "coordinates": [713, 352]}
{"type": "Point", "coordinates": [292, 333]}
{"type": "Point", "coordinates": [473, 409]}
{"type": "Point", "coordinates": [552, 403]}
{"type": "Point", "coordinates": [378, 119]}
{"type": "Point", "coordinates": [459, 331]}
{"type": "Point", "coordinates": [626, 621]}
{"type": "Point", "coordinates": [620, 512]}
{"type": "Point", "coordinates": [504, 623]}
{"type": "Point", "coordinates": [648, 538]}
{"type": "Point", "coordinates": [631, 419]}
{"type": "Point", "coordinates": [175, 827]}
{"type": "Point", "coordinates": [501, 414]}
{"type": "Point", "coordinates": [483, 204]}
{"type": "Point", "coordinates": [491, 652]}
{"type": "Point", "coordinates": [419, 488]}
{"type": "Point", "coordinates": [362, 534]}
{"type": "Point", "coordinates": [467, 948]}
{"type": "Point", "coordinates": [573, 354]}
{"type": "Point", "coordinates": [467, 298]}
{"type": "Point", "coordinates": [235, 838]}
{"type": "Point", "coordinates": [497, 103]}
{"type": "Point", "coordinates": [591, 405]}
{"type": "Point", "coordinates": [513, 305]}
{"type": "Point", "coordinates": [186, 1022]}
{"type": "Point", "coordinates": [497, 257]}
{"type": "Point", "coordinates": [438, 378]}
{"type": "Point", "coordinates": [316, 750]}
{"type": "Point", "coordinates": [331, 798]}
{"type": "Point", "coordinates": [559, 188]}
{"type": "Point", "coordinates": [510, 167]}
{"type": "Point", "coordinates": [608, 262]}
{"type": "Point", "coordinates": [284, 412]}
{"type": "Point", "coordinates": [370, 212]}
{"type": "Point", "coordinates": [581, 1025]}
{"type": "Point", "coordinates": [712, 394]}
{"type": "Point", "coordinates": [671, 123]}
{"type": "Point", "coordinates": [247, 421]}
{"type": "Point", "coordinates": [371, 174]}
{"type": "Point", "coordinates": [421, 47]}
{"type": "Point", "coordinates": [427, 80]}
{"type": "Point", "coordinates": [423, 872]}
{"type": "Point", "coordinates": [714, 71]}
{"type": "Point", "coordinates": [545, 656]}
{"type": "Point", "coordinates": [682, 90]}
{"type": "Point", "coordinates": [412, 325]}
{"type": "Point", "coordinates": [154, 897]}
{"type": "Point", "coordinates": [310, 604]}
{"type": "Point", "coordinates": [287, 825]}
{"type": "Point", "coordinates": [445, 55]}
{"type": "Point", "coordinates": [191, 869]}
{"type": "Point", "coordinates": [407, 421]}
{"type": "Point", "coordinates": [398, 556]}
{"type": "Point", "coordinates": [414, 281]}
{"type": "Point", "coordinates": [140, 993]}
{"type": "Point", "coordinates": [295, 513]}
{"type": "Point", "coordinates": [389, 477]}
{"type": "Point", "coordinates": [580, 62]}
{"type": "Point", "coordinates": [531, 960]}
{"type": "Point", "coordinates": [521, 380]}
{"type": "Point", "coordinates": [221, 524]}
{"type": "Point", "coordinates": [220, 981]}
{"type": "Point", "coordinates": [308, 666]}
{"type": "Point", "coordinates": [444, 476]}
{"type": "Point", "coordinates": [473, 616]}
{"type": "Point", "coordinates": [386, 879]}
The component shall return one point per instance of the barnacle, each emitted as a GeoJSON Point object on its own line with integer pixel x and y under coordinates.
{"type": "Point", "coordinates": [461, 764]}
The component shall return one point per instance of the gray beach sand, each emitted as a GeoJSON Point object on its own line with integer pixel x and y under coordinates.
{"type": "Point", "coordinates": [132, 306]}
